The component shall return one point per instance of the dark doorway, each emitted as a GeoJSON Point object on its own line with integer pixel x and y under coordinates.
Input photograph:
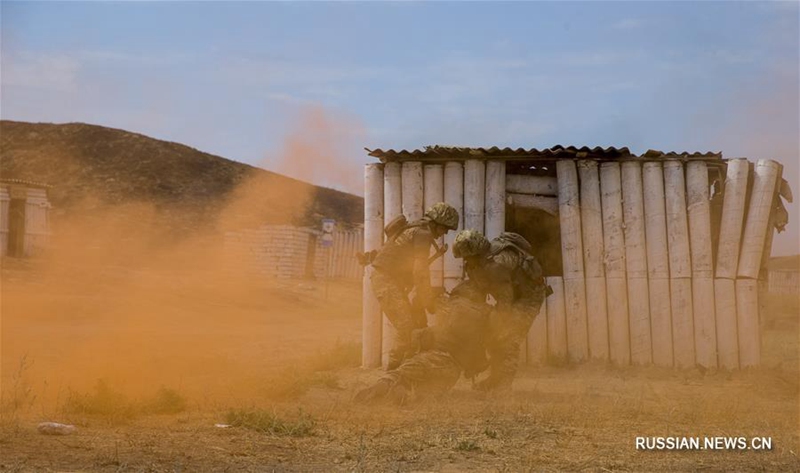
{"type": "Point", "coordinates": [543, 231]}
{"type": "Point", "coordinates": [16, 227]}
{"type": "Point", "coordinates": [311, 256]}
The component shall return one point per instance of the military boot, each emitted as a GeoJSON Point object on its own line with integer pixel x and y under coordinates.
{"type": "Point", "coordinates": [374, 392]}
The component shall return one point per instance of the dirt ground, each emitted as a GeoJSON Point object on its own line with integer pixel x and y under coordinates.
{"type": "Point", "coordinates": [187, 371]}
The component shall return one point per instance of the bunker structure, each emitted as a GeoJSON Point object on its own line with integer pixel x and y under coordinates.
{"type": "Point", "coordinates": [653, 259]}
{"type": "Point", "coordinates": [24, 217]}
{"type": "Point", "coordinates": [287, 251]}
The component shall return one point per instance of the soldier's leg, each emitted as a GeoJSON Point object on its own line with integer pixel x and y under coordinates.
{"type": "Point", "coordinates": [429, 372]}
{"type": "Point", "coordinates": [394, 303]}
{"type": "Point", "coordinates": [508, 333]}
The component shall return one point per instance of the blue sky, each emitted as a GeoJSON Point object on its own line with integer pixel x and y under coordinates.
{"type": "Point", "coordinates": [250, 80]}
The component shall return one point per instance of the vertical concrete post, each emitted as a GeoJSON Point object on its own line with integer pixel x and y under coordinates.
{"type": "Point", "coordinates": [730, 233]}
{"type": "Point", "coordinates": [699, 210]}
{"type": "Point", "coordinates": [594, 270]}
{"type": "Point", "coordinates": [536, 343]}
{"type": "Point", "coordinates": [453, 195]}
{"type": "Point", "coordinates": [753, 242]}
{"type": "Point", "coordinates": [392, 208]}
{"type": "Point", "coordinates": [657, 263]}
{"type": "Point", "coordinates": [680, 265]}
{"type": "Point", "coordinates": [636, 263]}
{"type": "Point", "coordinates": [474, 194]}
{"type": "Point", "coordinates": [755, 230]}
{"type": "Point", "coordinates": [373, 238]}
{"type": "Point", "coordinates": [556, 320]}
{"type": "Point", "coordinates": [413, 193]}
{"type": "Point", "coordinates": [433, 189]}
{"type": "Point", "coordinates": [495, 198]}
{"type": "Point", "coordinates": [614, 245]}
{"type": "Point", "coordinates": [572, 259]}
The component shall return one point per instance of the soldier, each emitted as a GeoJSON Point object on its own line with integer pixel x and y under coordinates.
{"type": "Point", "coordinates": [505, 269]}
{"type": "Point", "coordinates": [401, 266]}
{"type": "Point", "coordinates": [454, 344]}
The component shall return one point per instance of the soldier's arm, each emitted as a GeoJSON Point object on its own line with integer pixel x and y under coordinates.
{"type": "Point", "coordinates": [500, 272]}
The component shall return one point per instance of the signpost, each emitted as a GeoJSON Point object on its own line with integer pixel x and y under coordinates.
{"type": "Point", "coordinates": [328, 225]}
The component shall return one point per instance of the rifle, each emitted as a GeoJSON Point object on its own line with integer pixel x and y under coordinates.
{"type": "Point", "coordinates": [365, 259]}
{"type": "Point", "coordinates": [440, 251]}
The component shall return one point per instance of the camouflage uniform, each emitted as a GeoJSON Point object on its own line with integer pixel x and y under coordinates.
{"type": "Point", "coordinates": [400, 266]}
{"type": "Point", "coordinates": [455, 344]}
{"type": "Point", "coordinates": [519, 295]}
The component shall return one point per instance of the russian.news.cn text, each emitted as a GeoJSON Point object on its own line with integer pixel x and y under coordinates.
{"type": "Point", "coordinates": [703, 443]}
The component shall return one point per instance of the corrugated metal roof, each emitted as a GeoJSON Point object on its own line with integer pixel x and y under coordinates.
{"type": "Point", "coordinates": [456, 153]}
{"type": "Point", "coordinates": [23, 182]}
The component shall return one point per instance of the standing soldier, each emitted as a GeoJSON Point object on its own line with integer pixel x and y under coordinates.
{"type": "Point", "coordinates": [401, 266]}
{"type": "Point", "coordinates": [504, 269]}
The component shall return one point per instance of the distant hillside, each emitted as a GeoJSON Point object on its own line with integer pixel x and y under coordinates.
{"type": "Point", "coordinates": [190, 187]}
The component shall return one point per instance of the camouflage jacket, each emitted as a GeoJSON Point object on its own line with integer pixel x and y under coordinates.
{"type": "Point", "coordinates": [461, 329]}
{"type": "Point", "coordinates": [507, 275]}
{"type": "Point", "coordinates": [405, 258]}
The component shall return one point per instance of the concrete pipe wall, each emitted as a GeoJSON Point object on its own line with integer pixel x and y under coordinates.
{"type": "Point", "coordinates": [556, 320]}
{"type": "Point", "coordinates": [614, 246]}
{"type": "Point", "coordinates": [699, 210]}
{"type": "Point", "coordinates": [433, 189]}
{"type": "Point", "coordinates": [495, 199]}
{"type": "Point", "coordinates": [657, 263]}
{"type": "Point", "coordinates": [536, 343]}
{"type": "Point", "coordinates": [572, 259]}
{"type": "Point", "coordinates": [453, 195]}
{"type": "Point", "coordinates": [765, 177]}
{"type": "Point", "coordinates": [373, 239]}
{"type": "Point", "coordinates": [730, 233]}
{"type": "Point", "coordinates": [594, 269]}
{"type": "Point", "coordinates": [474, 194]}
{"type": "Point", "coordinates": [392, 208]}
{"type": "Point", "coordinates": [636, 263]}
{"type": "Point", "coordinates": [680, 267]}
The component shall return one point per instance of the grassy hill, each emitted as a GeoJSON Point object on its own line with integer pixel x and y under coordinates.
{"type": "Point", "coordinates": [90, 166]}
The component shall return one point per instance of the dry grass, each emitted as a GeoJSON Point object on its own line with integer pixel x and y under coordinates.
{"type": "Point", "coordinates": [275, 371]}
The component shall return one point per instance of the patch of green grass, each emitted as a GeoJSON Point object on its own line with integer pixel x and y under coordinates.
{"type": "Point", "coordinates": [107, 402]}
{"type": "Point", "coordinates": [264, 421]}
{"type": "Point", "coordinates": [467, 446]}
{"type": "Point", "coordinates": [165, 401]}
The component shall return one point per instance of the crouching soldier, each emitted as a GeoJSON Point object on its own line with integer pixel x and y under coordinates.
{"type": "Point", "coordinates": [401, 266]}
{"type": "Point", "coordinates": [505, 270]}
{"type": "Point", "coordinates": [455, 344]}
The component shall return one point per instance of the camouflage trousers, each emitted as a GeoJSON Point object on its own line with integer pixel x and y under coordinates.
{"type": "Point", "coordinates": [427, 373]}
{"type": "Point", "coordinates": [394, 302]}
{"type": "Point", "coordinates": [508, 330]}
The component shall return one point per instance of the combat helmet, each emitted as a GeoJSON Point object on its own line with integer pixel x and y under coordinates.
{"type": "Point", "coordinates": [444, 215]}
{"type": "Point", "coordinates": [470, 243]}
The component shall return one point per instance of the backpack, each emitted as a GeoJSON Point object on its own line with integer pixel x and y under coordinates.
{"type": "Point", "coordinates": [531, 271]}
{"type": "Point", "coordinates": [398, 225]}
{"type": "Point", "coordinates": [395, 227]}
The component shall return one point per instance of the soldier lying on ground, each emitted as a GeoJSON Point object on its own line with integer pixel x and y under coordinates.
{"type": "Point", "coordinates": [454, 344]}
{"type": "Point", "coordinates": [401, 266]}
{"type": "Point", "coordinates": [505, 269]}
